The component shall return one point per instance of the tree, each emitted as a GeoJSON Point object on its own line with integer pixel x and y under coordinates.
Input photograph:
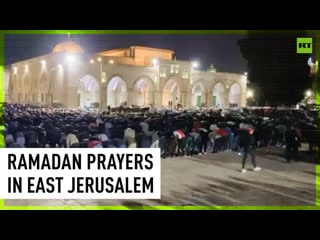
{"type": "Point", "coordinates": [274, 65]}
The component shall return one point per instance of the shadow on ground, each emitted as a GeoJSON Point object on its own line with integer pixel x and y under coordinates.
{"type": "Point", "coordinates": [278, 154]}
{"type": "Point", "coordinates": [242, 192]}
{"type": "Point", "coordinates": [237, 191]}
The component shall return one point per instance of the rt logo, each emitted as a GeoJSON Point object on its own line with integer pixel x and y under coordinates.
{"type": "Point", "coordinates": [304, 45]}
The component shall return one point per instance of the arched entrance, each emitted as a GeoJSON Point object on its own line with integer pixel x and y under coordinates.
{"type": "Point", "coordinates": [116, 92]}
{"type": "Point", "coordinates": [44, 89]}
{"type": "Point", "coordinates": [88, 92]}
{"type": "Point", "coordinates": [12, 85]}
{"type": "Point", "coordinates": [218, 95]}
{"type": "Point", "coordinates": [171, 92]}
{"type": "Point", "coordinates": [56, 84]}
{"type": "Point", "coordinates": [143, 92]}
{"type": "Point", "coordinates": [26, 88]}
{"type": "Point", "coordinates": [198, 93]}
{"type": "Point", "coordinates": [235, 95]}
{"type": "Point", "coordinates": [27, 83]}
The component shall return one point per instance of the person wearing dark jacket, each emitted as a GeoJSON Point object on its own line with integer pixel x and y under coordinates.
{"type": "Point", "coordinates": [245, 140]}
{"type": "Point", "coordinates": [292, 144]}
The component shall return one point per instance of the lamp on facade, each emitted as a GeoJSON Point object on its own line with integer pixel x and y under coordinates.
{"type": "Point", "coordinates": [250, 93]}
{"type": "Point", "coordinates": [71, 58]}
{"type": "Point", "coordinates": [155, 61]}
{"type": "Point", "coordinates": [195, 64]}
{"type": "Point", "coordinates": [308, 93]}
{"type": "Point", "coordinates": [15, 70]}
{"type": "Point", "coordinates": [102, 75]}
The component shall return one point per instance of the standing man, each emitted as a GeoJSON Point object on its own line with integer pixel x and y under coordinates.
{"type": "Point", "coordinates": [292, 144]}
{"type": "Point", "coordinates": [245, 140]}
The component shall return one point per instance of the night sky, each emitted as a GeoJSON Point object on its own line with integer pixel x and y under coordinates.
{"type": "Point", "coordinates": [220, 50]}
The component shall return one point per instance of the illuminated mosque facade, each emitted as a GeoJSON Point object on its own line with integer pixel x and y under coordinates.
{"type": "Point", "coordinates": [137, 75]}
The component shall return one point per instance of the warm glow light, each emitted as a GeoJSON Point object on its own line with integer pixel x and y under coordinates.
{"type": "Point", "coordinates": [43, 62]}
{"type": "Point", "coordinates": [249, 94]}
{"type": "Point", "coordinates": [195, 64]}
{"type": "Point", "coordinates": [308, 93]}
{"type": "Point", "coordinates": [155, 61]}
{"type": "Point", "coordinates": [26, 68]}
{"type": "Point", "coordinates": [71, 58]}
{"type": "Point", "coordinates": [91, 61]}
{"type": "Point", "coordinates": [15, 70]}
{"type": "Point", "coordinates": [111, 61]}
{"type": "Point", "coordinates": [59, 66]}
{"type": "Point", "coordinates": [99, 59]}
{"type": "Point", "coordinates": [245, 73]}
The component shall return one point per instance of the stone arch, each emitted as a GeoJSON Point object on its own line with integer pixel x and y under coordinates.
{"type": "Point", "coordinates": [171, 91]}
{"type": "Point", "coordinates": [19, 84]}
{"type": "Point", "coordinates": [88, 92]}
{"type": "Point", "coordinates": [43, 88]}
{"type": "Point", "coordinates": [117, 93]}
{"type": "Point", "coordinates": [20, 97]}
{"type": "Point", "coordinates": [143, 89]}
{"type": "Point", "coordinates": [27, 96]}
{"type": "Point", "coordinates": [218, 95]}
{"type": "Point", "coordinates": [57, 83]}
{"type": "Point", "coordinates": [26, 82]}
{"type": "Point", "coordinates": [235, 93]}
{"type": "Point", "coordinates": [44, 83]}
{"type": "Point", "coordinates": [12, 84]}
{"type": "Point", "coordinates": [12, 88]}
{"type": "Point", "coordinates": [198, 94]}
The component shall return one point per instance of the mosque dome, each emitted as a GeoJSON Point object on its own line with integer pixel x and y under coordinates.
{"type": "Point", "coordinates": [68, 46]}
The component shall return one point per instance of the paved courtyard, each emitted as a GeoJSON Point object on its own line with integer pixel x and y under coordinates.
{"type": "Point", "coordinates": [215, 179]}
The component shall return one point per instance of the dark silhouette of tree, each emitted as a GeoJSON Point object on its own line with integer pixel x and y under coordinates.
{"type": "Point", "coordinates": [274, 65]}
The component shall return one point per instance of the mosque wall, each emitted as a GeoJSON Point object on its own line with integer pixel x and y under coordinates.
{"type": "Point", "coordinates": [70, 79]}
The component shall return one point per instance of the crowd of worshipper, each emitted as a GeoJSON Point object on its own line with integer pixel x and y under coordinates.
{"type": "Point", "coordinates": [183, 132]}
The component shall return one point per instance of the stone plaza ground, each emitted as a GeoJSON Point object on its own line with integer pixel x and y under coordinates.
{"type": "Point", "coordinates": [215, 179]}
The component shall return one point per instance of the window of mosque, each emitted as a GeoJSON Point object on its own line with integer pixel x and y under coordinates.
{"type": "Point", "coordinates": [177, 69]}
{"type": "Point", "coordinates": [172, 67]}
{"type": "Point", "coordinates": [163, 71]}
{"type": "Point", "coordinates": [163, 74]}
{"type": "Point", "coordinates": [185, 74]}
